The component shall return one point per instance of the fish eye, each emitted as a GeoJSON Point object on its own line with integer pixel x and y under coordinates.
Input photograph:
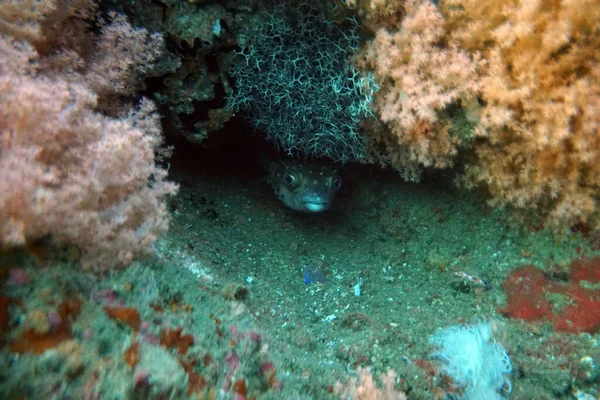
{"type": "Point", "coordinates": [337, 182]}
{"type": "Point", "coordinates": [289, 179]}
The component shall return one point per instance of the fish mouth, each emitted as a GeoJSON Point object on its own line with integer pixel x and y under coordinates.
{"type": "Point", "coordinates": [314, 206]}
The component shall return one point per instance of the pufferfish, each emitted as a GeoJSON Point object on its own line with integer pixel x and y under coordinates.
{"type": "Point", "coordinates": [305, 187]}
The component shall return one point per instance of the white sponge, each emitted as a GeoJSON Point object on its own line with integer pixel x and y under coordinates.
{"type": "Point", "coordinates": [475, 362]}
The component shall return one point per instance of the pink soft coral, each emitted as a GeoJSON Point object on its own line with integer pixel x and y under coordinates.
{"type": "Point", "coordinates": [70, 173]}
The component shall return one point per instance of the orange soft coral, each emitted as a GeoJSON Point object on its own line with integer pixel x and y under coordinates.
{"type": "Point", "coordinates": [527, 76]}
{"type": "Point", "coordinates": [541, 87]}
{"type": "Point", "coordinates": [421, 73]}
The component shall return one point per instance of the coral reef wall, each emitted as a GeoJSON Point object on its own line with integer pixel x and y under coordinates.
{"type": "Point", "coordinates": [506, 94]}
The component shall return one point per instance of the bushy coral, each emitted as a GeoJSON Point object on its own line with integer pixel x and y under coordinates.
{"type": "Point", "coordinates": [541, 122]}
{"type": "Point", "coordinates": [375, 14]}
{"type": "Point", "coordinates": [420, 74]}
{"type": "Point", "coordinates": [68, 172]}
{"type": "Point", "coordinates": [526, 76]}
{"type": "Point", "coordinates": [21, 18]}
{"type": "Point", "coordinates": [122, 56]}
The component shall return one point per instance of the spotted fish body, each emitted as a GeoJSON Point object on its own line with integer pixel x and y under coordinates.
{"type": "Point", "coordinates": [304, 187]}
